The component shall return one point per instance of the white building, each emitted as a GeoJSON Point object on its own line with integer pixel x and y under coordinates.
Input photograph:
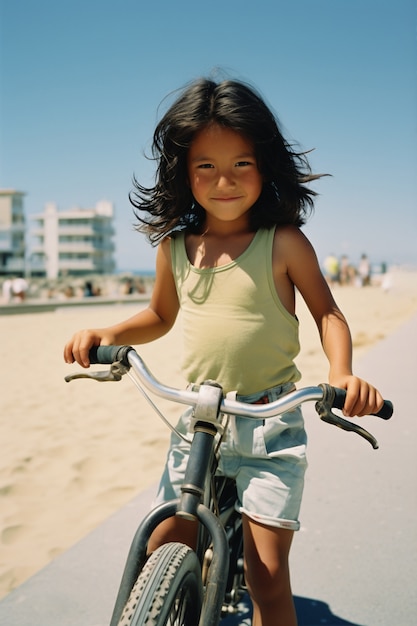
{"type": "Point", "coordinates": [12, 232]}
{"type": "Point", "coordinates": [76, 241]}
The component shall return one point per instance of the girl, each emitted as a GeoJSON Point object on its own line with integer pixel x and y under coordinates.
{"type": "Point", "coordinates": [226, 208]}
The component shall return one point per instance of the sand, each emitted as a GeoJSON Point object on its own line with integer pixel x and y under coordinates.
{"type": "Point", "coordinates": [72, 454]}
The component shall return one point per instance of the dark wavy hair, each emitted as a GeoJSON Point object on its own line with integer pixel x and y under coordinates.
{"type": "Point", "coordinates": [232, 104]}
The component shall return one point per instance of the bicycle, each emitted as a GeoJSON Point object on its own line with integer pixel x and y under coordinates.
{"type": "Point", "coordinates": [176, 585]}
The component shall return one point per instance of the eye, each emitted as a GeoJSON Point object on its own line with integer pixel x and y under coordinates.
{"type": "Point", "coordinates": [243, 163]}
{"type": "Point", "coordinates": [205, 166]}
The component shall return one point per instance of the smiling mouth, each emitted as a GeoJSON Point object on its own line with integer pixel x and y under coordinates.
{"type": "Point", "coordinates": [229, 199]}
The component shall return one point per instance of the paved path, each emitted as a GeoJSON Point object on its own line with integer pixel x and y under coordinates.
{"type": "Point", "coordinates": [357, 546]}
{"type": "Point", "coordinates": [353, 562]}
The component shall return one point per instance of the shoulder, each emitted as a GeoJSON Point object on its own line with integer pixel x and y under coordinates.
{"type": "Point", "coordinates": [290, 237]}
{"type": "Point", "coordinates": [165, 245]}
{"type": "Point", "coordinates": [292, 249]}
{"type": "Point", "coordinates": [170, 240]}
{"type": "Point", "coordinates": [164, 252]}
{"type": "Point", "coordinates": [172, 248]}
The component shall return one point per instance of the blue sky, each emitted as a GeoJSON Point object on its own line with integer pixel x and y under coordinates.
{"type": "Point", "coordinates": [81, 83]}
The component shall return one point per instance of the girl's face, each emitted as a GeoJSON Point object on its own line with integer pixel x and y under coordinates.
{"type": "Point", "coordinates": [223, 173]}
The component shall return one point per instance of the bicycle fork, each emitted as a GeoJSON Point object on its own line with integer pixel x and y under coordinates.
{"type": "Point", "coordinates": [188, 506]}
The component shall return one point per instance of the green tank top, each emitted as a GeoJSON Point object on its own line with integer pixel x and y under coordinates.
{"type": "Point", "coordinates": [235, 328]}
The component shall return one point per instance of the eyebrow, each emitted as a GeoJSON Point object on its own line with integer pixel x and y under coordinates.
{"type": "Point", "coordinates": [244, 155]}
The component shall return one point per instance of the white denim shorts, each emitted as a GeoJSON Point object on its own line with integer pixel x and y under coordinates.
{"type": "Point", "coordinates": [266, 458]}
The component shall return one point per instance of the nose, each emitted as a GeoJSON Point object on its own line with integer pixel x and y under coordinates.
{"type": "Point", "coordinates": [225, 180]}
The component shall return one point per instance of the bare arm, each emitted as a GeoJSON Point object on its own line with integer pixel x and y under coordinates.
{"type": "Point", "coordinates": [151, 323]}
{"type": "Point", "coordinates": [304, 272]}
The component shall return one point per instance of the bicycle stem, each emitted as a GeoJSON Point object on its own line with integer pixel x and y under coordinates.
{"type": "Point", "coordinates": [205, 424]}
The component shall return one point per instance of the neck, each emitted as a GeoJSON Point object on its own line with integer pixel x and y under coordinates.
{"type": "Point", "coordinates": [223, 229]}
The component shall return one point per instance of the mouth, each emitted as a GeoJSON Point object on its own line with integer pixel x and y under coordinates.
{"type": "Point", "coordinates": [227, 199]}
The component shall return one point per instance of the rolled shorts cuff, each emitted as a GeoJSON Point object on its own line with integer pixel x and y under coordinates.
{"type": "Point", "coordinates": [274, 522]}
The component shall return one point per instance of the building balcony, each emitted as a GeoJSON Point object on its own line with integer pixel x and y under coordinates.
{"type": "Point", "coordinates": [17, 228]}
{"type": "Point", "coordinates": [86, 230]}
{"type": "Point", "coordinates": [78, 247]}
{"type": "Point", "coordinates": [37, 248]}
{"type": "Point", "coordinates": [77, 265]}
{"type": "Point", "coordinates": [76, 231]}
{"type": "Point", "coordinates": [13, 265]}
{"type": "Point", "coordinates": [37, 266]}
{"type": "Point", "coordinates": [38, 232]}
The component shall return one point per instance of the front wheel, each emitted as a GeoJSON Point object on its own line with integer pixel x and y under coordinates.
{"type": "Point", "coordinates": [168, 591]}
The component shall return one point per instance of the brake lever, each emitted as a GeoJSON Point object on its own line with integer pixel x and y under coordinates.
{"type": "Point", "coordinates": [326, 415]}
{"type": "Point", "coordinates": [115, 373]}
{"type": "Point", "coordinates": [324, 410]}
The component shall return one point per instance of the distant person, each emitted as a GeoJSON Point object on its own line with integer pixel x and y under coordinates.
{"type": "Point", "coordinates": [386, 283]}
{"type": "Point", "coordinates": [88, 289]}
{"type": "Point", "coordinates": [19, 289]}
{"type": "Point", "coordinates": [225, 211]}
{"type": "Point", "coordinates": [386, 278]}
{"type": "Point", "coordinates": [7, 290]}
{"type": "Point", "coordinates": [140, 285]}
{"type": "Point", "coordinates": [347, 271]}
{"type": "Point", "coordinates": [69, 291]}
{"type": "Point", "coordinates": [127, 288]}
{"type": "Point", "coordinates": [364, 271]}
{"type": "Point", "coordinates": [332, 269]}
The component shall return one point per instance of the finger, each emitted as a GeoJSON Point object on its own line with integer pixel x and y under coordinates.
{"type": "Point", "coordinates": [366, 402]}
{"type": "Point", "coordinates": [374, 402]}
{"type": "Point", "coordinates": [83, 353]}
{"type": "Point", "coordinates": [68, 356]}
{"type": "Point", "coordinates": [85, 345]}
{"type": "Point", "coordinates": [352, 395]}
{"type": "Point", "coordinates": [81, 344]}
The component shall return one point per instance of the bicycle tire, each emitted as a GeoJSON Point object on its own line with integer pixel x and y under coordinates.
{"type": "Point", "coordinates": [168, 590]}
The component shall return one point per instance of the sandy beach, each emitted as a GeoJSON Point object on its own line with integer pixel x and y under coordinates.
{"type": "Point", "coordinates": [74, 453]}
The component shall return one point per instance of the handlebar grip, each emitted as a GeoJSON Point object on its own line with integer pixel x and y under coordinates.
{"type": "Point", "coordinates": [385, 413]}
{"type": "Point", "coordinates": [106, 355]}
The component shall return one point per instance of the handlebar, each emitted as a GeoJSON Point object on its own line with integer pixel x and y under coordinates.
{"type": "Point", "coordinates": [122, 358]}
